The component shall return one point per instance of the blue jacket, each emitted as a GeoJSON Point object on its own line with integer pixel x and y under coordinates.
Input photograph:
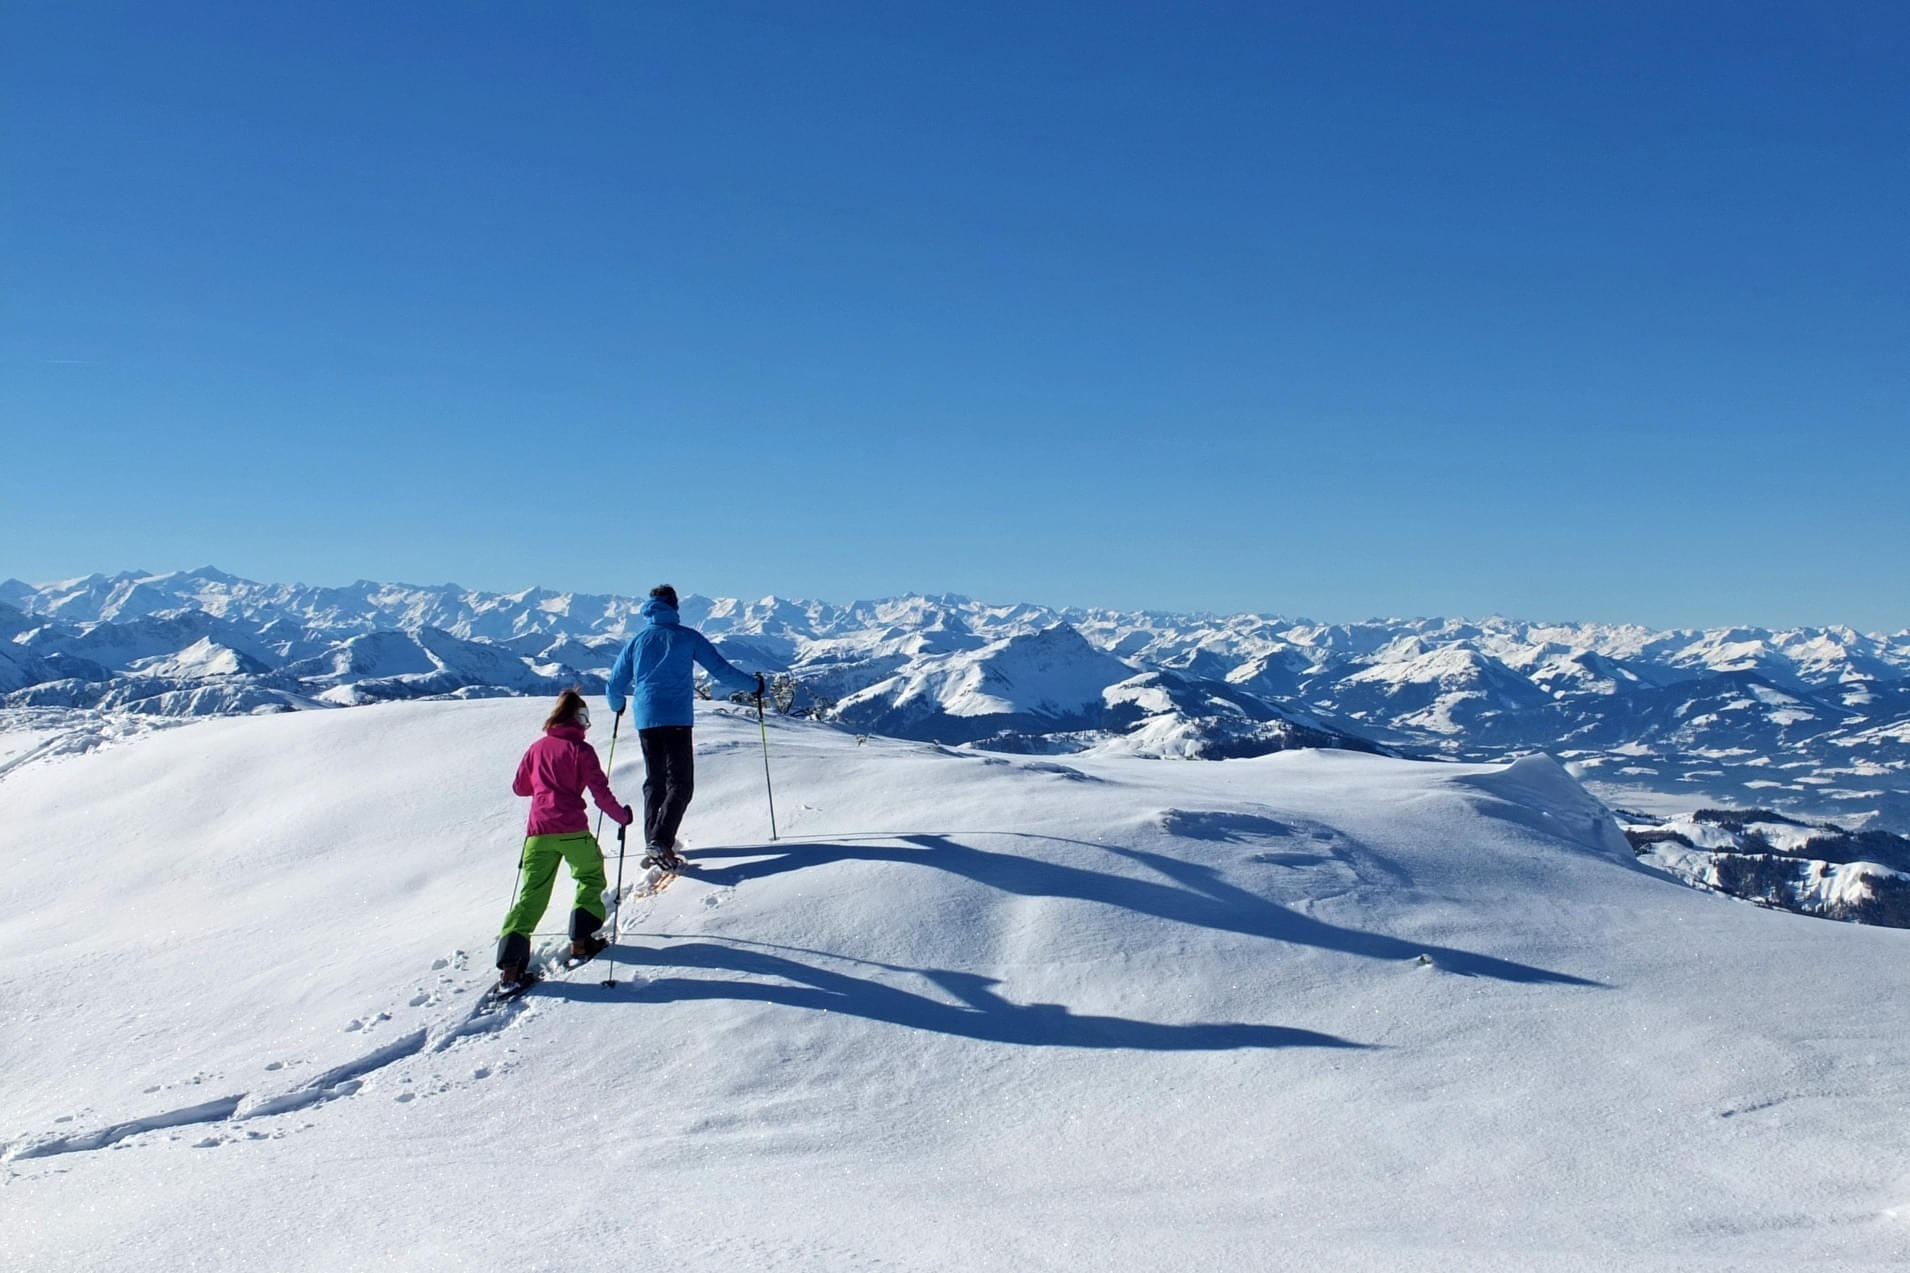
{"type": "Point", "coordinates": [653, 672]}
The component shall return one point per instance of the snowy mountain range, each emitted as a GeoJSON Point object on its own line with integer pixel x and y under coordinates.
{"type": "Point", "coordinates": [1807, 721]}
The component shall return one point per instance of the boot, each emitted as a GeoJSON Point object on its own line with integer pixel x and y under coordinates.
{"type": "Point", "coordinates": [513, 959]}
{"type": "Point", "coordinates": [585, 949]}
{"type": "Point", "coordinates": [662, 858]}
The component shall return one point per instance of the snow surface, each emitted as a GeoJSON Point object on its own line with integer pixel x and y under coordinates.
{"type": "Point", "coordinates": [1314, 1009]}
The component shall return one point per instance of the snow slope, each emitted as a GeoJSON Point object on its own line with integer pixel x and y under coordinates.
{"type": "Point", "coordinates": [1313, 1009]}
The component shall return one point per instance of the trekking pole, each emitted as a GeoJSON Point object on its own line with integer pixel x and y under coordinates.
{"type": "Point", "coordinates": [767, 785]}
{"type": "Point", "coordinates": [611, 980]}
{"type": "Point", "coordinates": [615, 722]}
{"type": "Point", "coordinates": [517, 882]}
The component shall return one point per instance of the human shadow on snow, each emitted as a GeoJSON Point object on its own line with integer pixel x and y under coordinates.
{"type": "Point", "coordinates": [981, 1013]}
{"type": "Point", "coordinates": [1197, 896]}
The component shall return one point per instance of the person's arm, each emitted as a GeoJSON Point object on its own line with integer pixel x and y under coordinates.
{"type": "Point", "coordinates": [720, 668]}
{"type": "Point", "coordinates": [593, 773]}
{"type": "Point", "coordinates": [521, 785]}
{"type": "Point", "coordinates": [622, 677]}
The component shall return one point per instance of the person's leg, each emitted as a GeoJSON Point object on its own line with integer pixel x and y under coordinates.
{"type": "Point", "coordinates": [654, 770]}
{"type": "Point", "coordinates": [539, 866]}
{"type": "Point", "coordinates": [586, 861]}
{"type": "Point", "coordinates": [679, 760]}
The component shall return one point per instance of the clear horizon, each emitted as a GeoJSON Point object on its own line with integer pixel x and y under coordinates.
{"type": "Point", "coordinates": [1498, 309]}
{"type": "Point", "coordinates": [637, 592]}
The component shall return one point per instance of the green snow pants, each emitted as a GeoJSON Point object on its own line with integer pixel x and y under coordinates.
{"type": "Point", "coordinates": [539, 864]}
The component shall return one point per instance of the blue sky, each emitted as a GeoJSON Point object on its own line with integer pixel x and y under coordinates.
{"type": "Point", "coordinates": [1570, 311]}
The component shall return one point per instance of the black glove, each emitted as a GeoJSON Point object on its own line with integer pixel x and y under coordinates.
{"type": "Point", "coordinates": [759, 685]}
{"type": "Point", "coordinates": [629, 815]}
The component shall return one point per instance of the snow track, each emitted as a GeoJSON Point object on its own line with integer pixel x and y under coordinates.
{"type": "Point", "coordinates": [343, 1080]}
{"type": "Point", "coordinates": [349, 1078]}
{"type": "Point", "coordinates": [208, 1112]}
{"type": "Point", "coordinates": [340, 1081]}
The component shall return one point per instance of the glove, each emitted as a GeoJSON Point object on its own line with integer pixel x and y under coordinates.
{"type": "Point", "coordinates": [629, 815]}
{"type": "Point", "coordinates": [759, 685]}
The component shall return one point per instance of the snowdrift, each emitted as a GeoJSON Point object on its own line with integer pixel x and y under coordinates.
{"type": "Point", "coordinates": [970, 1011]}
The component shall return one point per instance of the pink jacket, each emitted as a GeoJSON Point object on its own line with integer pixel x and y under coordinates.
{"type": "Point", "coordinates": [554, 773]}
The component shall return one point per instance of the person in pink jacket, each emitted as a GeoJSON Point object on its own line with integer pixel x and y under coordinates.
{"type": "Point", "coordinates": [555, 773]}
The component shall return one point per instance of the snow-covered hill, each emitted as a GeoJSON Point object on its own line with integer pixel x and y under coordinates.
{"type": "Point", "coordinates": [1812, 722]}
{"type": "Point", "coordinates": [1811, 868]}
{"type": "Point", "coordinates": [972, 1011]}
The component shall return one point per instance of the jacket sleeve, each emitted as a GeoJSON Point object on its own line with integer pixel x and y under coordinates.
{"type": "Point", "coordinates": [719, 667]}
{"type": "Point", "coordinates": [521, 784]}
{"type": "Point", "coordinates": [617, 688]}
{"type": "Point", "coordinates": [593, 775]}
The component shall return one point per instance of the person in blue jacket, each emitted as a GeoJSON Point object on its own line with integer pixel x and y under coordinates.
{"type": "Point", "coordinates": [654, 675]}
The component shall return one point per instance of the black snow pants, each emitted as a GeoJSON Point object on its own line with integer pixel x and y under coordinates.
{"type": "Point", "coordinates": [669, 765]}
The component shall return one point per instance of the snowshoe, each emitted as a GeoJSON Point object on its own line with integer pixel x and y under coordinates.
{"type": "Point", "coordinates": [663, 859]}
{"type": "Point", "coordinates": [511, 983]}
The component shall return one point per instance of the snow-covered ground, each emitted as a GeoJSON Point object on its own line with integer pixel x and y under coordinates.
{"type": "Point", "coordinates": [1314, 1009]}
{"type": "Point", "coordinates": [18, 744]}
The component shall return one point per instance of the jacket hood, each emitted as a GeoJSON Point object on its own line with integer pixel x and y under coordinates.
{"type": "Point", "coordinates": [575, 733]}
{"type": "Point", "coordinates": [657, 610]}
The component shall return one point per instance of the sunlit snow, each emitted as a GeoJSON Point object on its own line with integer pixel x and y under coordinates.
{"type": "Point", "coordinates": [1313, 1009]}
